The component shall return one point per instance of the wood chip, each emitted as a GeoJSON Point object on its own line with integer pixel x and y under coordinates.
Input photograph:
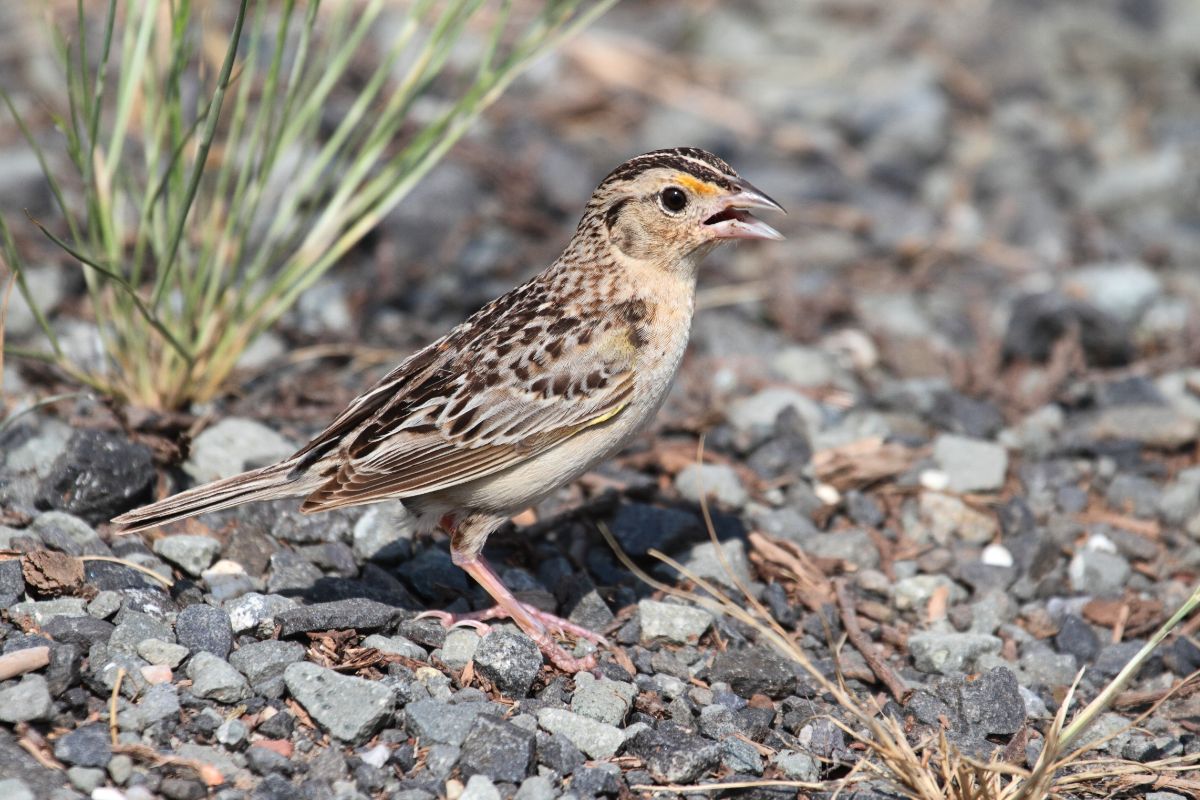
{"type": "Point", "coordinates": [51, 573]}
{"type": "Point", "coordinates": [861, 463]}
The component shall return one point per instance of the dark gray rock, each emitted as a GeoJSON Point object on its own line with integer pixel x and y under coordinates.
{"type": "Point", "coordinates": [83, 631]}
{"type": "Point", "coordinates": [600, 780]}
{"type": "Point", "coordinates": [265, 660]}
{"type": "Point", "coordinates": [992, 704]}
{"type": "Point", "coordinates": [134, 627]}
{"type": "Point", "coordinates": [436, 721]}
{"type": "Point", "coordinates": [357, 613]}
{"type": "Point", "coordinates": [292, 574]}
{"type": "Point", "coordinates": [12, 582]}
{"type": "Point", "coordinates": [640, 528]}
{"type": "Point", "coordinates": [349, 708]}
{"type": "Point", "coordinates": [673, 755]}
{"type": "Point", "coordinates": [559, 753]}
{"type": "Point", "coordinates": [214, 678]}
{"type": "Point", "coordinates": [510, 660]}
{"type": "Point", "coordinates": [1077, 638]}
{"type": "Point", "coordinates": [202, 628]}
{"type": "Point", "coordinates": [1038, 321]}
{"type": "Point", "coordinates": [498, 749]}
{"type": "Point", "coordinates": [98, 476]}
{"type": "Point", "coordinates": [88, 746]}
{"type": "Point", "coordinates": [754, 670]}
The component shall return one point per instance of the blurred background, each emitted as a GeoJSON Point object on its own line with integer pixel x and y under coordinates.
{"type": "Point", "coordinates": [990, 196]}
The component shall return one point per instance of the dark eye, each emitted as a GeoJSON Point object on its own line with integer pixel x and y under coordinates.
{"type": "Point", "coordinates": [673, 199]}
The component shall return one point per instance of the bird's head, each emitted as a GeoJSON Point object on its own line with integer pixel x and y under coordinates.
{"type": "Point", "coordinates": [670, 205]}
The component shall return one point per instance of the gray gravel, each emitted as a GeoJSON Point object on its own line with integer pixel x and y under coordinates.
{"type": "Point", "coordinates": [985, 271]}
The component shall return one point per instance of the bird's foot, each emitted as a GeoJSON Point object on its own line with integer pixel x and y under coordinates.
{"type": "Point", "coordinates": [544, 626]}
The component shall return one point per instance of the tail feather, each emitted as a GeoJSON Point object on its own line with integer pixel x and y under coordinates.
{"type": "Point", "coordinates": [268, 483]}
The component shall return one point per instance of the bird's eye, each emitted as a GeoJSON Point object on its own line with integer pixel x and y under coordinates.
{"type": "Point", "coordinates": [673, 199]}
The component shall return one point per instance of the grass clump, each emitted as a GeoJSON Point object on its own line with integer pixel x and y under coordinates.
{"type": "Point", "coordinates": [210, 185]}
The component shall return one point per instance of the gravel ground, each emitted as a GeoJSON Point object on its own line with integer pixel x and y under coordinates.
{"type": "Point", "coordinates": [965, 389]}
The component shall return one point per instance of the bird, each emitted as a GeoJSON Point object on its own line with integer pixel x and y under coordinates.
{"type": "Point", "coordinates": [531, 391]}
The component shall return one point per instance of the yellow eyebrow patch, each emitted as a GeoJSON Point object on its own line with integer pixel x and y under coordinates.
{"type": "Point", "coordinates": [695, 185]}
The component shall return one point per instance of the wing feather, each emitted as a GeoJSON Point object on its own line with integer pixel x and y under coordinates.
{"type": "Point", "coordinates": [513, 426]}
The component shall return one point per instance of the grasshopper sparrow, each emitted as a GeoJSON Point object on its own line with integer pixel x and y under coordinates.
{"type": "Point", "coordinates": [533, 389]}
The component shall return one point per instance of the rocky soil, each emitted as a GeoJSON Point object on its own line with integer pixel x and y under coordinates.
{"type": "Point", "coordinates": [965, 390]}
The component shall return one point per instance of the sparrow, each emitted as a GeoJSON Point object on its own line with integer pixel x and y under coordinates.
{"type": "Point", "coordinates": [532, 390]}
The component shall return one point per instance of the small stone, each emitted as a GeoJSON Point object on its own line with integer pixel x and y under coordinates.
{"type": "Point", "coordinates": [99, 475]}
{"type": "Point", "coordinates": [754, 670]}
{"type": "Point", "coordinates": [214, 678]}
{"type": "Point", "coordinates": [943, 517]}
{"type": "Point", "coordinates": [479, 787]}
{"type": "Point", "coordinates": [973, 465]}
{"type": "Point", "coordinates": [535, 787]}
{"type": "Point", "coordinates": [252, 610]}
{"type": "Point", "coordinates": [15, 789]}
{"type": "Point", "coordinates": [42, 611]}
{"type": "Point", "coordinates": [120, 769]}
{"type": "Point", "coordinates": [740, 757]}
{"type": "Point", "coordinates": [672, 622]}
{"type": "Point", "coordinates": [947, 653]}
{"type": "Point", "coordinates": [992, 704]}
{"type": "Point", "coordinates": [914, 594]}
{"type": "Point", "coordinates": [25, 701]}
{"type": "Point", "coordinates": [719, 482]}
{"type": "Point", "coordinates": [640, 528]}
{"type": "Point", "coordinates": [854, 546]}
{"type": "Point", "coordinates": [234, 445]}
{"type": "Point", "coordinates": [157, 703]}
{"type": "Point", "coordinates": [202, 628]}
{"type": "Point", "coordinates": [189, 552]}
{"type": "Point", "coordinates": [397, 645]}
{"type": "Point", "coordinates": [725, 562]}
{"type": "Point", "coordinates": [602, 699]}
{"type": "Point", "coordinates": [435, 721]}
{"type": "Point", "coordinates": [266, 660]}
{"type": "Point", "coordinates": [1123, 291]}
{"type": "Point", "coordinates": [88, 746]}
{"type": "Point", "coordinates": [510, 660]}
{"type": "Point", "coordinates": [156, 651]}
{"type": "Point", "coordinates": [498, 749]}
{"type": "Point", "coordinates": [756, 414]}
{"type": "Point", "coordinates": [596, 739]}
{"type": "Point", "coordinates": [85, 779]}
{"type": "Point", "coordinates": [1098, 573]}
{"type": "Point", "coordinates": [357, 612]}
{"type": "Point", "coordinates": [232, 733]}
{"type": "Point", "coordinates": [1077, 638]}
{"type": "Point", "coordinates": [1152, 425]}
{"type": "Point", "coordinates": [83, 631]}
{"type": "Point", "coordinates": [104, 604]}
{"type": "Point", "coordinates": [797, 766]}
{"type": "Point", "coordinates": [384, 533]}
{"type": "Point", "coordinates": [350, 709]}
{"type": "Point", "coordinates": [675, 756]}
{"type": "Point", "coordinates": [459, 647]}
{"type": "Point", "coordinates": [135, 627]}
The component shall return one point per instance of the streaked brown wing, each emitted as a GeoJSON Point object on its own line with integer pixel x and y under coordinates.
{"type": "Point", "coordinates": [428, 451]}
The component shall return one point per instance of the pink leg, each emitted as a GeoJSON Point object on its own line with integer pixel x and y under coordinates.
{"type": "Point", "coordinates": [536, 624]}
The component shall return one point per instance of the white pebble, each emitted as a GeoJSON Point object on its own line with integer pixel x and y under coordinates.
{"type": "Point", "coordinates": [934, 480]}
{"type": "Point", "coordinates": [827, 494]}
{"type": "Point", "coordinates": [996, 555]}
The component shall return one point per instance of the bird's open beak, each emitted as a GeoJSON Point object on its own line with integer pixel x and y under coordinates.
{"type": "Point", "coordinates": [732, 219]}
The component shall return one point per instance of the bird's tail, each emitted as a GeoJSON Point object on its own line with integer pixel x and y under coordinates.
{"type": "Point", "coordinates": [268, 483]}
